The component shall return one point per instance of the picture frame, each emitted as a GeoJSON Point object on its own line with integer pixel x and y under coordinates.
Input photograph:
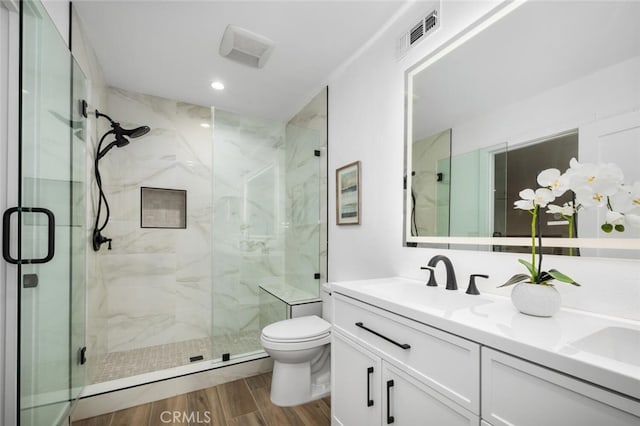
{"type": "Point", "coordinates": [348, 194]}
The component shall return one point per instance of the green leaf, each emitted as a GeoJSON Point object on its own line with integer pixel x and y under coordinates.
{"type": "Point", "coordinates": [562, 277]}
{"type": "Point", "coordinates": [515, 279]}
{"type": "Point", "coordinates": [529, 266]}
{"type": "Point", "coordinates": [607, 227]}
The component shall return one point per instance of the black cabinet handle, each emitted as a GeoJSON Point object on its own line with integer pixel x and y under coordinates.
{"type": "Point", "coordinates": [390, 418]}
{"type": "Point", "coordinates": [369, 400]}
{"type": "Point", "coordinates": [6, 232]}
{"type": "Point", "coordinates": [402, 345]}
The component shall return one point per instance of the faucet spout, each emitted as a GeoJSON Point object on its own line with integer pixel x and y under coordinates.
{"type": "Point", "coordinates": [452, 284]}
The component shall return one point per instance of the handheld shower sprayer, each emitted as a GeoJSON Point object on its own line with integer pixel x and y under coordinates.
{"type": "Point", "coordinates": [120, 134]}
{"type": "Point", "coordinates": [120, 140]}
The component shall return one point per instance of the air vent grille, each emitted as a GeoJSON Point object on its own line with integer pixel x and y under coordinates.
{"type": "Point", "coordinates": [418, 32]}
{"type": "Point", "coordinates": [430, 21]}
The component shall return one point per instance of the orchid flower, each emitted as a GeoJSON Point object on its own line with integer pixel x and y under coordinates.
{"type": "Point", "coordinates": [594, 183]}
{"type": "Point", "coordinates": [530, 199]}
{"type": "Point", "coordinates": [566, 210]}
{"type": "Point", "coordinates": [553, 180]}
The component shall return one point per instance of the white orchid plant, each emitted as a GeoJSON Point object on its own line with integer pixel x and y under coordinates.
{"type": "Point", "coordinates": [594, 185]}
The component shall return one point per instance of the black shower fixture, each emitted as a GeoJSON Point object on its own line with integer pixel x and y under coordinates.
{"type": "Point", "coordinates": [120, 139]}
{"type": "Point", "coordinates": [120, 135]}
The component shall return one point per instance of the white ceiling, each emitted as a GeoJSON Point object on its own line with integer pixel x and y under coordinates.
{"type": "Point", "coordinates": [170, 48]}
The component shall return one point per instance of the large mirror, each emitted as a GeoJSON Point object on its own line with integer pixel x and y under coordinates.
{"type": "Point", "coordinates": [526, 88]}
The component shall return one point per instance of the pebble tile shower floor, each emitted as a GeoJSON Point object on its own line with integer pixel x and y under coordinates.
{"type": "Point", "coordinates": [117, 365]}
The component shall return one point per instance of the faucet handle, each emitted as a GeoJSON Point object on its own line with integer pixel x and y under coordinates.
{"type": "Point", "coordinates": [432, 276]}
{"type": "Point", "coordinates": [472, 289]}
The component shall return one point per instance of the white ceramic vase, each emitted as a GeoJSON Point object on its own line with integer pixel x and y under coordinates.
{"type": "Point", "coordinates": [535, 299]}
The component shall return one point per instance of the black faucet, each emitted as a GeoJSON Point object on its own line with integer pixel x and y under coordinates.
{"type": "Point", "coordinates": [452, 284]}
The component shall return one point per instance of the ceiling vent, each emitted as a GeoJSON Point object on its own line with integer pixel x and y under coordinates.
{"type": "Point", "coordinates": [419, 31]}
{"type": "Point", "coordinates": [246, 47]}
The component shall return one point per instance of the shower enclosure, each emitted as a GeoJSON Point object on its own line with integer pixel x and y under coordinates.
{"type": "Point", "coordinates": [167, 297]}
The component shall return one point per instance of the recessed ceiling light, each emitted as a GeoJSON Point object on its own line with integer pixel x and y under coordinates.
{"type": "Point", "coordinates": [216, 85]}
{"type": "Point", "coordinates": [205, 125]}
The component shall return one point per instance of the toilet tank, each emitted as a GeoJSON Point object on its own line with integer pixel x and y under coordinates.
{"type": "Point", "coordinates": [327, 302]}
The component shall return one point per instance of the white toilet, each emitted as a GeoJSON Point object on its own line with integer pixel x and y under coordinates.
{"type": "Point", "coordinates": [300, 348]}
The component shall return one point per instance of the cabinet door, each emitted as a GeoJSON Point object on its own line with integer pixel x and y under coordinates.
{"type": "Point", "coordinates": [355, 384]}
{"type": "Point", "coordinates": [408, 402]}
{"type": "Point", "coordinates": [517, 392]}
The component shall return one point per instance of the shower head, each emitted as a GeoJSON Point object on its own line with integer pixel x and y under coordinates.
{"type": "Point", "coordinates": [119, 131]}
{"type": "Point", "coordinates": [120, 134]}
{"type": "Point", "coordinates": [133, 133]}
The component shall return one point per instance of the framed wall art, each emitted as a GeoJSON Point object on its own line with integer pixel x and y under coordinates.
{"type": "Point", "coordinates": [348, 194]}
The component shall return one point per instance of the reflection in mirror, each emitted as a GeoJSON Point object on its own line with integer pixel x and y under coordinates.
{"type": "Point", "coordinates": [522, 167]}
{"type": "Point", "coordinates": [472, 191]}
{"type": "Point", "coordinates": [518, 97]}
{"type": "Point", "coordinates": [430, 185]}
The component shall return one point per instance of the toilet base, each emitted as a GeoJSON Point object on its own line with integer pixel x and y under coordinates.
{"type": "Point", "coordinates": [294, 384]}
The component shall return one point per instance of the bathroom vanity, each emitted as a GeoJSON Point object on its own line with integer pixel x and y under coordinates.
{"type": "Point", "coordinates": [407, 354]}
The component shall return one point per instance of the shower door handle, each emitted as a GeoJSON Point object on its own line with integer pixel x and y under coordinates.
{"type": "Point", "coordinates": [6, 235]}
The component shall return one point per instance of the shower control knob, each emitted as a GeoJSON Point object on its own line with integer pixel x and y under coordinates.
{"type": "Point", "coordinates": [99, 240]}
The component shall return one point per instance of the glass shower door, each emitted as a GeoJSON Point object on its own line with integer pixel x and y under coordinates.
{"type": "Point", "coordinates": [50, 213]}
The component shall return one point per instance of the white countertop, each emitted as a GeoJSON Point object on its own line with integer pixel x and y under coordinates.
{"type": "Point", "coordinates": [599, 349]}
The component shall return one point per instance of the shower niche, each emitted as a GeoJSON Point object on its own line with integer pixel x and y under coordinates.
{"type": "Point", "coordinates": [163, 208]}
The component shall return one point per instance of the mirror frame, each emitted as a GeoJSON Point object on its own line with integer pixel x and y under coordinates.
{"type": "Point", "coordinates": [485, 21]}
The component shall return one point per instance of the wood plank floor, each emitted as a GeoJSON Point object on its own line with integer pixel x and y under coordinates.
{"type": "Point", "coordinates": [244, 402]}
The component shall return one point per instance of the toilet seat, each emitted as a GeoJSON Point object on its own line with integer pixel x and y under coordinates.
{"type": "Point", "coordinates": [301, 329]}
{"type": "Point", "coordinates": [293, 345]}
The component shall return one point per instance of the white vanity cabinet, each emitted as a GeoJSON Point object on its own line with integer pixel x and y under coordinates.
{"type": "Point", "coordinates": [517, 392]}
{"type": "Point", "coordinates": [396, 360]}
{"type": "Point", "coordinates": [391, 370]}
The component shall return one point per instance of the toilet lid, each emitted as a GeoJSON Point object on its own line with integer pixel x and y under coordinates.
{"type": "Point", "coordinates": [297, 328]}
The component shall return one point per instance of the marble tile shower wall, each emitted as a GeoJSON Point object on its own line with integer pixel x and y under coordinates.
{"type": "Point", "coordinates": [159, 280]}
{"type": "Point", "coordinates": [305, 133]}
{"type": "Point", "coordinates": [249, 212]}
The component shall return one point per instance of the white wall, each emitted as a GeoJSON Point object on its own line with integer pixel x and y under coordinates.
{"type": "Point", "coordinates": [366, 123]}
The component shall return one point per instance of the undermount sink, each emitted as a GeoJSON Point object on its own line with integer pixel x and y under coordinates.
{"type": "Point", "coordinates": [416, 294]}
{"type": "Point", "coordinates": [619, 343]}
